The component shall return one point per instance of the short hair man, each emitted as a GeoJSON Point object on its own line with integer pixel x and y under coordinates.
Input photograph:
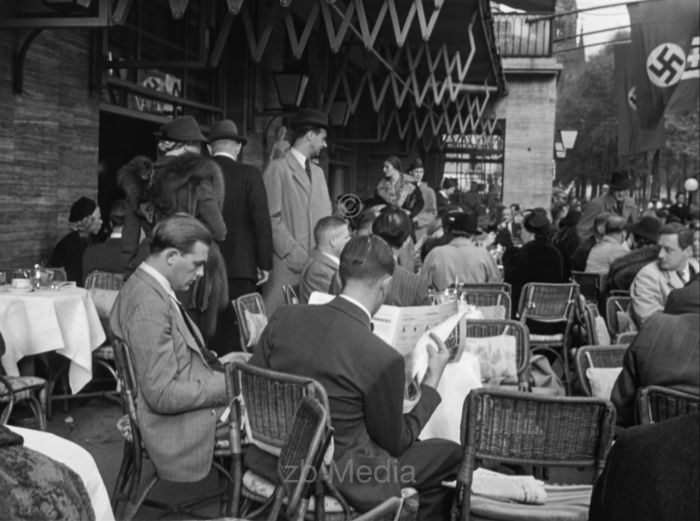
{"type": "Point", "coordinates": [680, 210]}
{"type": "Point", "coordinates": [247, 249]}
{"type": "Point", "coordinates": [331, 235]}
{"type": "Point", "coordinates": [180, 386]}
{"type": "Point", "coordinates": [443, 196]}
{"type": "Point", "coordinates": [365, 381]}
{"type": "Point", "coordinates": [407, 288]}
{"type": "Point", "coordinates": [462, 259]}
{"type": "Point", "coordinates": [107, 256]}
{"type": "Point", "coordinates": [580, 256]}
{"type": "Point", "coordinates": [610, 247]}
{"type": "Point", "coordinates": [673, 269]}
{"type": "Point", "coordinates": [297, 197]}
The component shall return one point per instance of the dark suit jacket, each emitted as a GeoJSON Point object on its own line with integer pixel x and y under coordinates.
{"type": "Point", "coordinates": [407, 289]}
{"type": "Point", "coordinates": [664, 352]}
{"type": "Point", "coordinates": [104, 256]}
{"type": "Point", "coordinates": [179, 393]}
{"type": "Point", "coordinates": [364, 379]}
{"type": "Point", "coordinates": [536, 261]}
{"type": "Point", "coordinates": [651, 474]}
{"type": "Point", "coordinates": [685, 299]}
{"type": "Point", "coordinates": [248, 243]}
{"type": "Point", "coordinates": [317, 275]}
{"type": "Point", "coordinates": [68, 254]}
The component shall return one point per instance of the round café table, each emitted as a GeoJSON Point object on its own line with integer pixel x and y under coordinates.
{"type": "Point", "coordinates": [63, 320]}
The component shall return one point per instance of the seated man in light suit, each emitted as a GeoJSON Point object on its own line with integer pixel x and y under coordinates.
{"type": "Point", "coordinates": [674, 268]}
{"type": "Point", "coordinates": [376, 445]}
{"type": "Point", "coordinates": [331, 235]}
{"type": "Point", "coordinates": [181, 383]}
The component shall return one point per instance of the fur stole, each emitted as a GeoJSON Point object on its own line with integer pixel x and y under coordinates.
{"type": "Point", "coordinates": [151, 188]}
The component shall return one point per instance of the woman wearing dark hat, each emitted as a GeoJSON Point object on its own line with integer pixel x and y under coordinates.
{"type": "Point", "coordinates": [642, 239]}
{"type": "Point", "coordinates": [84, 221]}
{"type": "Point", "coordinates": [182, 180]}
{"type": "Point", "coordinates": [536, 261]}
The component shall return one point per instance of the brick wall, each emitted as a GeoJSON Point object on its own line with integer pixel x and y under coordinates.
{"type": "Point", "coordinates": [529, 111]}
{"type": "Point", "coordinates": [48, 142]}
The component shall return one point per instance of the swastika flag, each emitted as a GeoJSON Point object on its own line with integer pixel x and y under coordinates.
{"type": "Point", "coordinates": [666, 57]}
{"type": "Point", "coordinates": [631, 138]}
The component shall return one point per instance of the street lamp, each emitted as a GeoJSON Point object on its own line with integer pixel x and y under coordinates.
{"type": "Point", "coordinates": [290, 88]}
{"type": "Point", "coordinates": [339, 114]}
{"type": "Point", "coordinates": [568, 138]}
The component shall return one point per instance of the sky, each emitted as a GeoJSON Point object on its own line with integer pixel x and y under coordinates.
{"type": "Point", "coordinates": [600, 19]}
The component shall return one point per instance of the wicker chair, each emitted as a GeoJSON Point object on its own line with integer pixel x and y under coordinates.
{"type": "Point", "coordinates": [529, 429]}
{"type": "Point", "coordinates": [597, 356]}
{"type": "Point", "coordinates": [245, 306]}
{"type": "Point", "coordinates": [103, 356]}
{"type": "Point", "coordinates": [493, 304]}
{"type": "Point", "coordinates": [591, 285]}
{"type": "Point", "coordinates": [290, 294]}
{"type": "Point", "coordinates": [264, 402]}
{"type": "Point", "coordinates": [127, 484]}
{"type": "Point", "coordinates": [596, 329]}
{"type": "Point", "coordinates": [656, 403]}
{"type": "Point", "coordinates": [626, 338]}
{"type": "Point", "coordinates": [16, 389]}
{"type": "Point", "coordinates": [614, 306]}
{"type": "Point", "coordinates": [478, 328]}
{"type": "Point", "coordinates": [552, 305]}
{"type": "Point", "coordinates": [486, 286]}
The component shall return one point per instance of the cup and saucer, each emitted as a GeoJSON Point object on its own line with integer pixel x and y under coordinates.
{"type": "Point", "coordinates": [20, 286]}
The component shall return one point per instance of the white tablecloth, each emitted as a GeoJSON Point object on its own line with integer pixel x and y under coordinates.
{"type": "Point", "coordinates": [64, 321]}
{"type": "Point", "coordinates": [77, 459]}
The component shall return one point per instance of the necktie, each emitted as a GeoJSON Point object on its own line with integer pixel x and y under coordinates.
{"type": "Point", "coordinates": [209, 357]}
{"type": "Point", "coordinates": [307, 167]}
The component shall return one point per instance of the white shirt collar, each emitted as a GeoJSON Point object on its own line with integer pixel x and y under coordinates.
{"type": "Point", "coordinates": [159, 278]}
{"type": "Point", "coordinates": [225, 154]}
{"type": "Point", "coordinates": [301, 158]}
{"type": "Point", "coordinates": [335, 259]}
{"type": "Point", "coordinates": [116, 235]}
{"type": "Point", "coordinates": [353, 301]}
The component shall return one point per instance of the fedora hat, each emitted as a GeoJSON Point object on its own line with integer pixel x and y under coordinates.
{"type": "Point", "coordinates": [226, 129]}
{"type": "Point", "coordinates": [620, 181]}
{"type": "Point", "coordinates": [309, 118]}
{"type": "Point", "coordinates": [647, 227]}
{"type": "Point", "coordinates": [183, 130]}
{"type": "Point", "coordinates": [465, 222]}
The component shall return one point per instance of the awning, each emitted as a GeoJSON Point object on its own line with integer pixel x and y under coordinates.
{"type": "Point", "coordinates": [539, 6]}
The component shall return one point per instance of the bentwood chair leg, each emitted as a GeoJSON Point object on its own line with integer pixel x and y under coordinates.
{"type": "Point", "coordinates": [131, 509]}
{"type": "Point", "coordinates": [38, 412]}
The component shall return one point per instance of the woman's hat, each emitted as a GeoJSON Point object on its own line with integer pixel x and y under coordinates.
{"type": "Point", "coordinates": [465, 222]}
{"type": "Point", "coordinates": [226, 129]}
{"type": "Point", "coordinates": [81, 209]}
{"type": "Point", "coordinates": [310, 118]}
{"type": "Point", "coordinates": [536, 222]}
{"type": "Point", "coordinates": [620, 181]}
{"type": "Point", "coordinates": [647, 227]}
{"type": "Point", "coordinates": [184, 129]}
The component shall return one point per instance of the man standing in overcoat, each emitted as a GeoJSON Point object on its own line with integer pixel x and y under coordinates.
{"type": "Point", "coordinates": [297, 197]}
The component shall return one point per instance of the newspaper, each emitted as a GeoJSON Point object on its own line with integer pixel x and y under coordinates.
{"type": "Point", "coordinates": [407, 330]}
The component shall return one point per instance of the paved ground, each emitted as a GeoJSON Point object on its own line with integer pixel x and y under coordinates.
{"type": "Point", "coordinates": [93, 427]}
